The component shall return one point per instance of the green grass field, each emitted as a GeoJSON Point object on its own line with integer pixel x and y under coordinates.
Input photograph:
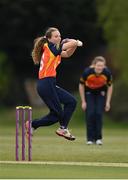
{"type": "Point", "coordinates": [50, 151]}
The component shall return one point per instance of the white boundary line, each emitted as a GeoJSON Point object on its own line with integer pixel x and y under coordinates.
{"type": "Point", "coordinates": [67, 163]}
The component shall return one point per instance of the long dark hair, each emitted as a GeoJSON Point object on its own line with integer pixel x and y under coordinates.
{"type": "Point", "coordinates": [38, 45]}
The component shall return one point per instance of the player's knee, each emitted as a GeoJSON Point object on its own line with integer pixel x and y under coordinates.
{"type": "Point", "coordinates": [91, 114]}
{"type": "Point", "coordinates": [99, 114]}
{"type": "Point", "coordinates": [74, 102]}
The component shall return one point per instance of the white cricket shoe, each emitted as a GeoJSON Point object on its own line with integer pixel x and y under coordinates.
{"type": "Point", "coordinates": [99, 142]}
{"type": "Point", "coordinates": [65, 133]}
{"type": "Point", "coordinates": [89, 143]}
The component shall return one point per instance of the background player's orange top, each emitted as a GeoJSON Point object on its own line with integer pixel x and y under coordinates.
{"type": "Point", "coordinates": [96, 82]}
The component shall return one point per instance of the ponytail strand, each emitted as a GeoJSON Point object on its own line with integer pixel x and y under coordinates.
{"type": "Point", "coordinates": [37, 50]}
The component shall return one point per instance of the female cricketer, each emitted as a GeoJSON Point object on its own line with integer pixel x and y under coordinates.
{"type": "Point", "coordinates": [95, 90]}
{"type": "Point", "coordinates": [48, 51]}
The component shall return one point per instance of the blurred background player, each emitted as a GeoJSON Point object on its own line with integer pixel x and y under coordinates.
{"type": "Point", "coordinates": [95, 90]}
{"type": "Point", "coordinates": [48, 51]}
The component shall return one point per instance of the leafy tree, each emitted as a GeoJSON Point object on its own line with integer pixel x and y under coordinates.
{"type": "Point", "coordinates": [113, 15]}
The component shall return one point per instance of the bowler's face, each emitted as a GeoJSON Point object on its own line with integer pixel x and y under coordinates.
{"type": "Point", "coordinates": [55, 37]}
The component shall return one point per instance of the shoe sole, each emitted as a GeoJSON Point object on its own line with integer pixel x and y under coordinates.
{"type": "Point", "coordinates": [68, 138]}
{"type": "Point", "coordinates": [99, 144]}
{"type": "Point", "coordinates": [89, 144]}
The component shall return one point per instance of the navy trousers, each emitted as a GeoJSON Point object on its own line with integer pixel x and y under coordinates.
{"type": "Point", "coordinates": [94, 115]}
{"type": "Point", "coordinates": [60, 103]}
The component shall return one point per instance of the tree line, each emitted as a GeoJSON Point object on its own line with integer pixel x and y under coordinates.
{"type": "Point", "coordinates": [101, 25]}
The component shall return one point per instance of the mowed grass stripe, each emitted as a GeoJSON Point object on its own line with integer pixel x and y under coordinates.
{"type": "Point", "coordinates": [67, 163]}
